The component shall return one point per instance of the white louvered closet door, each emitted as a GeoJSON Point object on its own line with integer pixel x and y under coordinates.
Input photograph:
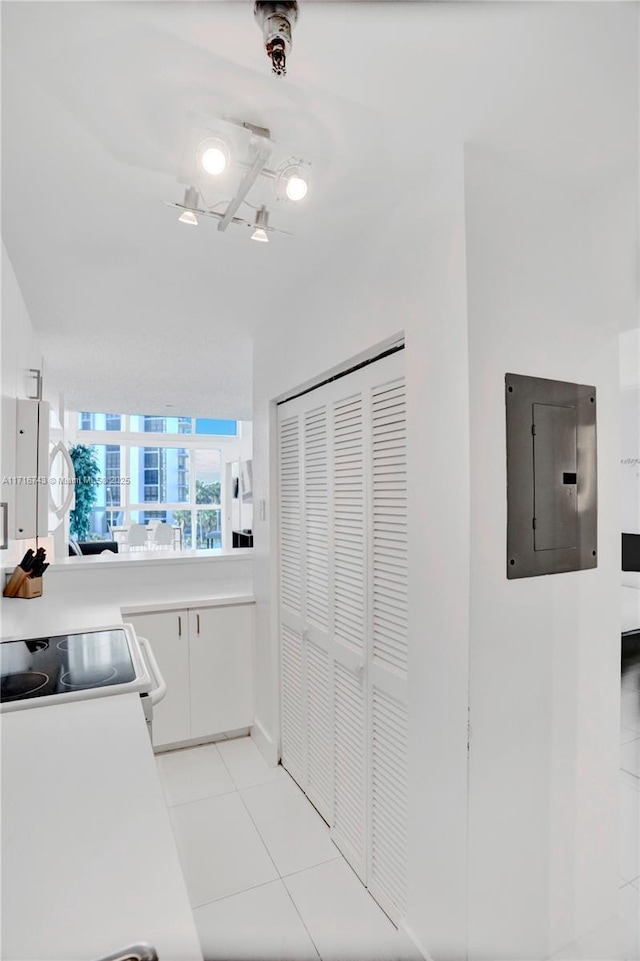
{"type": "Point", "coordinates": [349, 823]}
{"type": "Point", "coordinates": [343, 615]}
{"type": "Point", "coordinates": [316, 472]}
{"type": "Point", "coordinates": [292, 655]}
{"type": "Point", "coordinates": [305, 616]}
{"type": "Point", "coordinates": [387, 668]}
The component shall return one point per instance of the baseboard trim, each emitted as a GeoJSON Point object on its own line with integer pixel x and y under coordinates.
{"type": "Point", "coordinates": [415, 940]}
{"type": "Point", "coordinates": [196, 741]}
{"type": "Point", "coordinates": [265, 743]}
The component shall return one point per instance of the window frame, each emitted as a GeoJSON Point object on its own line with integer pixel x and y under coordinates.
{"type": "Point", "coordinates": [126, 440]}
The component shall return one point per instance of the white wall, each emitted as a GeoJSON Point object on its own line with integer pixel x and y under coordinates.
{"type": "Point", "coordinates": [550, 280]}
{"type": "Point", "coordinates": [630, 431]}
{"type": "Point", "coordinates": [416, 286]}
{"type": "Point", "coordinates": [20, 351]}
{"type": "Point", "coordinates": [544, 651]}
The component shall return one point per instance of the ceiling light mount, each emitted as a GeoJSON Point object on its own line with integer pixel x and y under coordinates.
{"type": "Point", "coordinates": [276, 19]}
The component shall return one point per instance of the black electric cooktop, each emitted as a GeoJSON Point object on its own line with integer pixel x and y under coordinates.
{"type": "Point", "coordinates": [63, 664]}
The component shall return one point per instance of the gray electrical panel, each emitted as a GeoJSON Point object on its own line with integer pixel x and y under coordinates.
{"type": "Point", "coordinates": [551, 476]}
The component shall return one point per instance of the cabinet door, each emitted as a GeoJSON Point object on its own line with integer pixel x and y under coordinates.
{"type": "Point", "coordinates": [221, 669]}
{"type": "Point", "coordinates": [168, 633]}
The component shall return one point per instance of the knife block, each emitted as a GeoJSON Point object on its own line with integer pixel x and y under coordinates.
{"type": "Point", "coordinates": [31, 587]}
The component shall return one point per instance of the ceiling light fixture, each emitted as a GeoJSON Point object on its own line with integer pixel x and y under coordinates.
{"type": "Point", "coordinates": [190, 201]}
{"type": "Point", "coordinates": [276, 18]}
{"type": "Point", "coordinates": [262, 222]}
{"type": "Point", "coordinates": [214, 156]}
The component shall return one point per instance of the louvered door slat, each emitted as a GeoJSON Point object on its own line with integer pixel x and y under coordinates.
{"type": "Point", "coordinates": [389, 524]}
{"type": "Point", "coordinates": [320, 731]}
{"type": "Point", "coordinates": [290, 514]}
{"type": "Point", "coordinates": [316, 565]}
{"type": "Point", "coordinates": [349, 769]}
{"type": "Point", "coordinates": [349, 520]}
{"type": "Point", "coordinates": [293, 699]}
{"type": "Point", "coordinates": [389, 801]}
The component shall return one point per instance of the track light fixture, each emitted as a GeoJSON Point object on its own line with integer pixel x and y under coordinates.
{"type": "Point", "coordinates": [226, 164]}
{"type": "Point", "coordinates": [276, 19]}
{"type": "Point", "coordinates": [262, 223]}
{"type": "Point", "coordinates": [190, 201]}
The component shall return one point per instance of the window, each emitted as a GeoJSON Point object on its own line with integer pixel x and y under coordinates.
{"type": "Point", "coordinates": [176, 477]}
{"type": "Point", "coordinates": [156, 424]}
{"type": "Point", "coordinates": [92, 421]}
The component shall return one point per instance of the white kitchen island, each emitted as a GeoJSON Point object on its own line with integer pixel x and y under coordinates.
{"type": "Point", "coordinates": [89, 859]}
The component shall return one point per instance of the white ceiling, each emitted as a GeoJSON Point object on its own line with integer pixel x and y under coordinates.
{"type": "Point", "coordinates": [136, 311]}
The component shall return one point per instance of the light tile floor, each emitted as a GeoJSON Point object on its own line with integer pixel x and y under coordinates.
{"type": "Point", "coordinates": [264, 878]}
{"type": "Point", "coordinates": [267, 883]}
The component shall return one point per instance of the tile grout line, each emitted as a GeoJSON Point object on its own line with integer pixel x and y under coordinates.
{"type": "Point", "coordinates": [296, 909]}
{"type": "Point", "coordinates": [292, 874]}
{"type": "Point", "coordinates": [234, 894]}
{"type": "Point", "coordinates": [192, 800]}
{"type": "Point", "coordinates": [280, 876]}
{"type": "Point", "coordinates": [207, 797]}
{"type": "Point", "coordinates": [253, 822]}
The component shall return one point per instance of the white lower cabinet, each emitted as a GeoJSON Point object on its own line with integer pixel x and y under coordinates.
{"type": "Point", "coordinates": [206, 657]}
{"type": "Point", "coordinates": [221, 669]}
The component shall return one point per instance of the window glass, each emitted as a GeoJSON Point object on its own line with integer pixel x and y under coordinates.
{"type": "Point", "coordinates": [150, 424]}
{"type": "Point", "coordinates": [207, 466]}
{"type": "Point", "coordinates": [159, 475]}
{"type": "Point", "coordinates": [208, 528]}
{"type": "Point", "coordinates": [100, 523]}
{"type": "Point", "coordinates": [108, 488]}
{"type": "Point", "coordinates": [224, 428]}
{"type": "Point", "coordinates": [92, 421]}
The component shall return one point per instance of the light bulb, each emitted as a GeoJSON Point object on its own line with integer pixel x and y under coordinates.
{"type": "Point", "coordinates": [214, 161]}
{"type": "Point", "coordinates": [188, 217]}
{"type": "Point", "coordinates": [261, 235]}
{"type": "Point", "coordinates": [296, 187]}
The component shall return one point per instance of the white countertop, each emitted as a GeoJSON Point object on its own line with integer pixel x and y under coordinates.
{"type": "Point", "coordinates": [89, 859]}
{"type": "Point", "coordinates": [60, 612]}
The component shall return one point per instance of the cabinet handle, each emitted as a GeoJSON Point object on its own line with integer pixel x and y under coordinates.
{"type": "Point", "coordinates": [37, 374]}
{"type": "Point", "coordinates": [179, 626]}
{"type": "Point", "coordinates": [197, 623]}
